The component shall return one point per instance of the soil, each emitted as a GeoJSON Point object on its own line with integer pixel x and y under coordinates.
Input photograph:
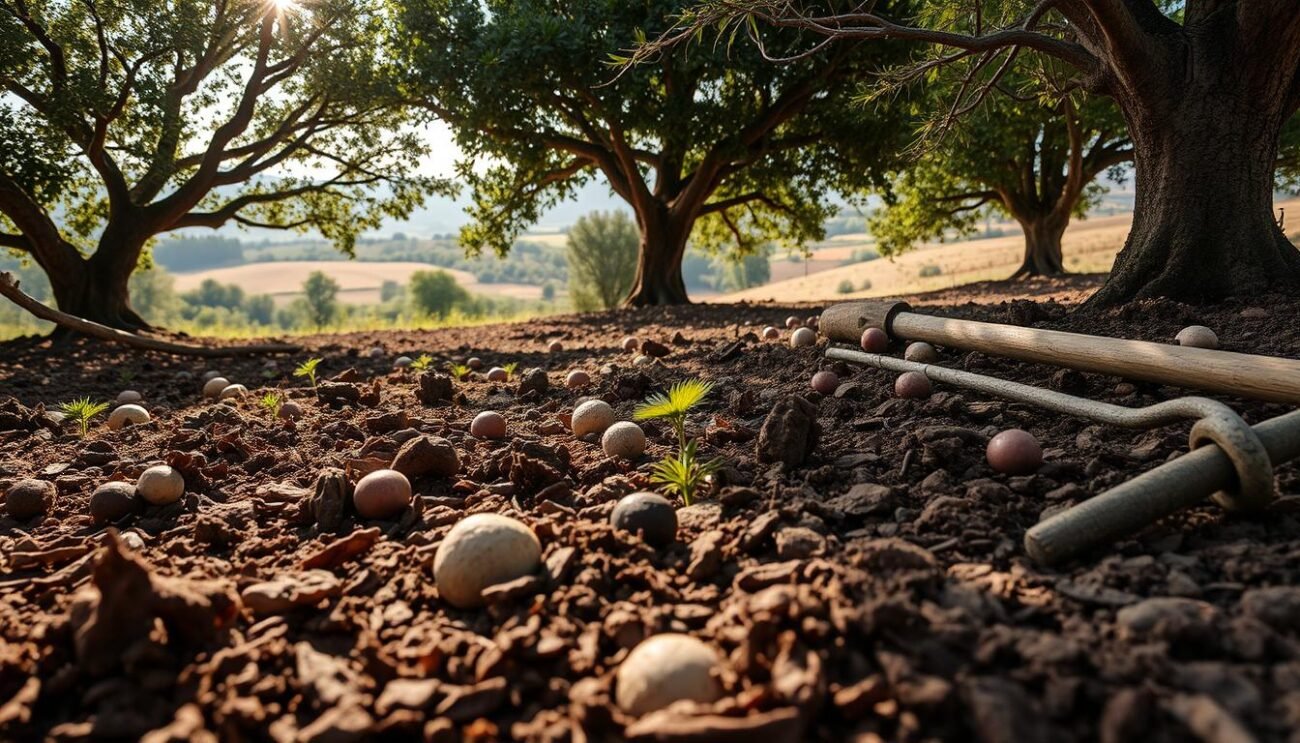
{"type": "Point", "coordinates": [876, 591]}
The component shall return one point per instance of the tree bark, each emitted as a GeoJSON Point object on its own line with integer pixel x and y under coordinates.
{"type": "Point", "coordinates": [658, 281]}
{"type": "Point", "coordinates": [1203, 225]}
{"type": "Point", "coordinates": [96, 289]}
{"type": "Point", "coordinates": [1042, 246]}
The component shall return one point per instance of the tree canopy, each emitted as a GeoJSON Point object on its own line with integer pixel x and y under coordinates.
{"type": "Point", "coordinates": [124, 120]}
{"type": "Point", "coordinates": [714, 144]}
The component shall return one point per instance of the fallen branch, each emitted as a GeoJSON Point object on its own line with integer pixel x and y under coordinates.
{"type": "Point", "coordinates": [9, 288]}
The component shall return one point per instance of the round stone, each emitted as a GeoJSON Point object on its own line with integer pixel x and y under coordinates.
{"type": "Point", "coordinates": [813, 321]}
{"type": "Point", "coordinates": [481, 551]}
{"type": "Point", "coordinates": [665, 669]}
{"type": "Point", "coordinates": [474, 363]}
{"type": "Point", "coordinates": [233, 392]}
{"type": "Point", "coordinates": [160, 485]}
{"type": "Point", "coordinates": [649, 514]}
{"type": "Point", "coordinates": [112, 501]}
{"type": "Point", "coordinates": [593, 416]}
{"type": "Point", "coordinates": [209, 375]}
{"type": "Point", "coordinates": [642, 360]}
{"type": "Point", "coordinates": [623, 439]}
{"type": "Point", "coordinates": [382, 494]}
{"type": "Point", "coordinates": [213, 387]}
{"type": "Point", "coordinates": [770, 333]}
{"type": "Point", "coordinates": [402, 362]}
{"type": "Point", "coordinates": [127, 415]}
{"type": "Point", "coordinates": [376, 353]}
{"type": "Point", "coordinates": [826, 382]}
{"type": "Point", "coordinates": [875, 340]}
{"type": "Point", "coordinates": [555, 347]}
{"type": "Point", "coordinates": [28, 499]}
{"type": "Point", "coordinates": [497, 374]}
{"type": "Point", "coordinates": [1197, 336]}
{"type": "Point", "coordinates": [913, 385]}
{"type": "Point", "coordinates": [488, 425]}
{"type": "Point", "coordinates": [1014, 452]}
{"type": "Point", "coordinates": [792, 322]}
{"type": "Point", "coordinates": [427, 455]}
{"type": "Point", "coordinates": [803, 338]}
{"type": "Point", "coordinates": [921, 353]}
{"type": "Point", "coordinates": [126, 397]}
{"type": "Point", "coordinates": [631, 344]}
{"type": "Point", "coordinates": [290, 411]}
{"type": "Point", "coordinates": [577, 378]}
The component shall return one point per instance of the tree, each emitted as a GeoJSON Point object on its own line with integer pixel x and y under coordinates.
{"type": "Point", "coordinates": [320, 296]}
{"type": "Point", "coordinates": [436, 293]}
{"type": "Point", "coordinates": [1204, 86]}
{"type": "Point", "coordinates": [1035, 163]}
{"type": "Point", "coordinates": [602, 255]}
{"type": "Point", "coordinates": [714, 144]}
{"type": "Point", "coordinates": [123, 121]}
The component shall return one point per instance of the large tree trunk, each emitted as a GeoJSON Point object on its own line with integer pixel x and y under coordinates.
{"type": "Point", "coordinates": [1042, 246]}
{"type": "Point", "coordinates": [97, 290]}
{"type": "Point", "coordinates": [1203, 224]}
{"type": "Point", "coordinates": [659, 261]}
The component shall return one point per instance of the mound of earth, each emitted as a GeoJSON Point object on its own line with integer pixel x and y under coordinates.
{"type": "Point", "coordinates": [876, 590]}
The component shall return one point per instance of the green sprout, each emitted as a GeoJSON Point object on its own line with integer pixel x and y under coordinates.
{"type": "Point", "coordinates": [308, 369]}
{"type": "Point", "coordinates": [675, 406]}
{"type": "Point", "coordinates": [511, 368]}
{"type": "Point", "coordinates": [125, 376]}
{"type": "Point", "coordinates": [683, 473]}
{"type": "Point", "coordinates": [271, 402]}
{"type": "Point", "coordinates": [81, 411]}
{"type": "Point", "coordinates": [458, 371]}
{"type": "Point", "coordinates": [423, 362]}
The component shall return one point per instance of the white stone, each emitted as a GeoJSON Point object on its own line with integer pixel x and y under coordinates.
{"type": "Point", "coordinates": [160, 485]}
{"type": "Point", "coordinates": [665, 669]}
{"type": "Point", "coordinates": [213, 387]}
{"type": "Point", "coordinates": [127, 415]}
{"type": "Point", "coordinates": [481, 551]}
{"type": "Point", "coordinates": [592, 416]}
{"type": "Point", "coordinates": [624, 439]}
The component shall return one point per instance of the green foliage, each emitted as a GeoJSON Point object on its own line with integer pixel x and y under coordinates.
{"type": "Point", "coordinates": [684, 474]}
{"type": "Point", "coordinates": [81, 411]}
{"type": "Point", "coordinates": [422, 362]}
{"type": "Point", "coordinates": [135, 119]}
{"type": "Point", "coordinates": [185, 253]}
{"type": "Point", "coordinates": [320, 299]}
{"type": "Point", "coordinates": [929, 270]}
{"type": "Point", "coordinates": [845, 287]}
{"type": "Point", "coordinates": [271, 402]}
{"type": "Point", "coordinates": [510, 369]}
{"type": "Point", "coordinates": [436, 293]}
{"type": "Point", "coordinates": [601, 250]}
{"type": "Point", "coordinates": [715, 137]}
{"type": "Point", "coordinates": [307, 369]}
{"type": "Point", "coordinates": [459, 372]}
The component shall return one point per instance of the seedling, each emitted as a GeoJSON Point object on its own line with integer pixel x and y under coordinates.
{"type": "Point", "coordinates": [511, 368]}
{"type": "Point", "coordinates": [458, 371]}
{"type": "Point", "coordinates": [422, 362]}
{"type": "Point", "coordinates": [271, 402]}
{"type": "Point", "coordinates": [81, 411]}
{"type": "Point", "coordinates": [308, 369]}
{"type": "Point", "coordinates": [125, 376]}
{"type": "Point", "coordinates": [682, 473]}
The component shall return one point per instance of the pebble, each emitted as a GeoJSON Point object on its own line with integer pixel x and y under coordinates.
{"type": "Point", "coordinates": [27, 499]}
{"type": "Point", "coordinates": [664, 669]}
{"type": "Point", "coordinates": [649, 514]}
{"type": "Point", "coordinates": [112, 501]}
{"type": "Point", "coordinates": [481, 551]}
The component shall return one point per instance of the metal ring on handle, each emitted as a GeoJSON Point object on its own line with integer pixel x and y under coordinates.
{"type": "Point", "coordinates": [1250, 460]}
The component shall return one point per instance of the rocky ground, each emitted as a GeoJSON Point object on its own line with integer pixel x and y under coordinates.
{"type": "Point", "coordinates": [875, 590]}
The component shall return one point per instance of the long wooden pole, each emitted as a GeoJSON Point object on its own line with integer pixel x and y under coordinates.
{"type": "Point", "coordinates": [1243, 375]}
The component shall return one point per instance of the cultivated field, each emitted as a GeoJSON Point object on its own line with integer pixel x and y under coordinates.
{"type": "Point", "coordinates": [1090, 246]}
{"type": "Point", "coordinates": [359, 280]}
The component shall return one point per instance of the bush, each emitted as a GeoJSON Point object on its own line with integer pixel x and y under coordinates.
{"type": "Point", "coordinates": [436, 293]}
{"type": "Point", "coordinates": [845, 287]}
{"type": "Point", "coordinates": [602, 253]}
{"type": "Point", "coordinates": [865, 285]}
{"type": "Point", "coordinates": [930, 270]}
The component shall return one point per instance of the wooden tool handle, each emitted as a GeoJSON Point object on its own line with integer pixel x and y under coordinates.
{"type": "Point", "coordinates": [845, 322]}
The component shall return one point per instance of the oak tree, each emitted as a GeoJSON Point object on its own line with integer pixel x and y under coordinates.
{"type": "Point", "coordinates": [124, 120]}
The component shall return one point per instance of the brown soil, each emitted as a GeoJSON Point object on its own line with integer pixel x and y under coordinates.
{"type": "Point", "coordinates": [902, 610]}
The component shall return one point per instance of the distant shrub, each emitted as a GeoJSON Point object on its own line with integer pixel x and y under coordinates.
{"type": "Point", "coordinates": [930, 270]}
{"type": "Point", "coordinates": [845, 287]}
{"type": "Point", "coordinates": [865, 285]}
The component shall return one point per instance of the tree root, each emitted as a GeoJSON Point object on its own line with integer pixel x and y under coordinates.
{"type": "Point", "coordinates": [9, 289]}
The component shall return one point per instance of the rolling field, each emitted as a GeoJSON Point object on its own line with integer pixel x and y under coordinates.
{"type": "Point", "coordinates": [1089, 246]}
{"type": "Point", "coordinates": [359, 281]}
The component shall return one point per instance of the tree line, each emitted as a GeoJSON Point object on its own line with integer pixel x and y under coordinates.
{"type": "Point", "coordinates": [120, 127]}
